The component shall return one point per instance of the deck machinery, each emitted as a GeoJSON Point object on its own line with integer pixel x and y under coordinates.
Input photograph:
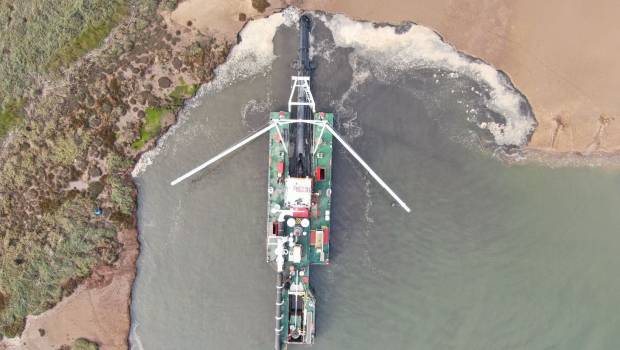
{"type": "Point", "coordinates": [299, 198]}
{"type": "Point", "coordinates": [298, 227]}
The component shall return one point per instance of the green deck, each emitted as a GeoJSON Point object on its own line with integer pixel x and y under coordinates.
{"type": "Point", "coordinates": [315, 241]}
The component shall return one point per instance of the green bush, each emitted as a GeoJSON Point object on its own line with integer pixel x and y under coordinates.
{"type": "Point", "coordinates": [151, 126]}
{"type": "Point", "coordinates": [84, 344]}
{"type": "Point", "coordinates": [33, 277]}
{"type": "Point", "coordinates": [116, 163]}
{"type": "Point", "coordinates": [182, 92]}
{"type": "Point", "coordinates": [121, 195]}
{"type": "Point", "coordinates": [170, 4]}
{"type": "Point", "coordinates": [65, 151]}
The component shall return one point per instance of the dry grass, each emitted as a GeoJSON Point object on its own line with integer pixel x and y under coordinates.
{"type": "Point", "coordinates": [50, 238]}
{"type": "Point", "coordinates": [34, 274]}
{"type": "Point", "coordinates": [84, 344]}
{"type": "Point", "coordinates": [37, 36]}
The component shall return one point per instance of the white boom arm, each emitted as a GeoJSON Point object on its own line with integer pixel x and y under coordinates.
{"type": "Point", "coordinates": [223, 154]}
{"type": "Point", "coordinates": [353, 153]}
{"type": "Point", "coordinates": [275, 123]}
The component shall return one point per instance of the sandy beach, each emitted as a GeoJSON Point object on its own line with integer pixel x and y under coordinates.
{"type": "Point", "coordinates": [563, 55]}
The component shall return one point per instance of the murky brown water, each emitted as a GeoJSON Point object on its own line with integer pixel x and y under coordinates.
{"type": "Point", "coordinates": [491, 257]}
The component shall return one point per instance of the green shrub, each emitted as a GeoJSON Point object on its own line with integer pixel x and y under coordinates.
{"type": "Point", "coordinates": [121, 195]}
{"type": "Point", "coordinates": [84, 344]}
{"type": "Point", "coordinates": [116, 163]}
{"type": "Point", "coordinates": [151, 126]}
{"type": "Point", "coordinates": [170, 4]}
{"type": "Point", "coordinates": [35, 276]}
{"type": "Point", "coordinates": [10, 116]}
{"type": "Point", "coordinates": [182, 92]}
{"type": "Point", "coordinates": [65, 151]}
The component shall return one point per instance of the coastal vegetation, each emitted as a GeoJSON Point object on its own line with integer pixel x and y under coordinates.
{"type": "Point", "coordinates": [39, 35]}
{"type": "Point", "coordinates": [78, 122]}
{"type": "Point", "coordinates": [84, 344]}
{"type": "Point", "coordinates": [10, 116]}
{"type": "Point", "coordinates": [152, 122]}
{"type": "Point", "coordinates": [90, 37]}
{"type": "Point", "coordinates": [182, 92]}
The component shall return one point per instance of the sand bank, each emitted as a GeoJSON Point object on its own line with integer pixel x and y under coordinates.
{"type": "Point", "coordinates": [563, 55]}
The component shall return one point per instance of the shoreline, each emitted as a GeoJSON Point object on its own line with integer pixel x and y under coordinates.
{"type": "Point", "coordinates": [569, 118]}
{"type": "Point", "coordinates": [99, 309]}
{"type": "Point", "coordinates": [568, 137]}
{"type": "Point", "coordinates": [177, 59]}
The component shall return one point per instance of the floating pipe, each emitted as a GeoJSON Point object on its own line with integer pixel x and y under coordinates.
{"type": "Point", "coordinates": [278, 329]}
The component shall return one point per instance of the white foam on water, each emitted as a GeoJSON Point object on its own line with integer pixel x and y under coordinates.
{"type": "Point", "coordinates": [392, 52]}
{"type": "Point", "coordinates": [348, 116]}
{"type": "Point", "coordinates": [389, 51]}
{"type": "Point", "coordinates": [255, 106]}
{"type": "Point", "coordinates": [252, 56]}
{"type": "Point", "coordinates": [136, 342]}
{"type": "Point", "coordinates": [291, 16]}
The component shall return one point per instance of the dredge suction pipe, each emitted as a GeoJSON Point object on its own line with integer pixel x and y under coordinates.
{"type": "Point", "coordinates": [300, 156]}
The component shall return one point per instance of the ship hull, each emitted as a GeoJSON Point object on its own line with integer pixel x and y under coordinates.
{"type": "Point", "coordinates": [299, 222]}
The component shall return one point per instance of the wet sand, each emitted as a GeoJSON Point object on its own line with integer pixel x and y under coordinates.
{"type": "Point", "coordinates": [563, 55]}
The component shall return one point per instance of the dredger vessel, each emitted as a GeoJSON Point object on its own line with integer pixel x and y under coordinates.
{"type": "Point", "coordinates": [299, 198]}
